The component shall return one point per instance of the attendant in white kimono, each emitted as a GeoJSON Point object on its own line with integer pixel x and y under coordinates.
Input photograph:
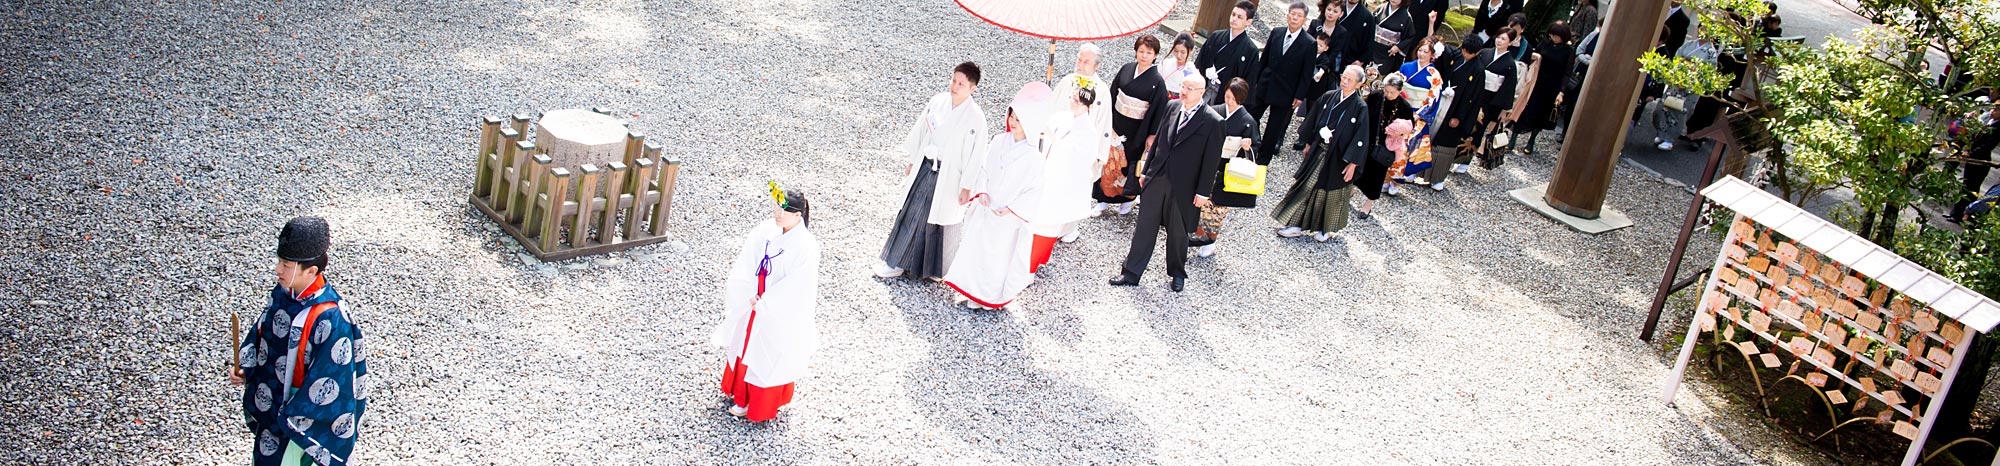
{"type": "Point", "coordinates": [767, 336]}
{"type": "Point", "coordinates": [1085, 77]}
{"type": "Point", "coordinates": [943, 147]}
{"type": "Point", "coordinates": [1071, 165]}
{"type": "Point", "coordinates": [992, 267]}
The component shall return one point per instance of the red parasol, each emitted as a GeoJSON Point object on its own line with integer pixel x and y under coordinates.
{"type": "Point", "coordinates": [1070, 19]}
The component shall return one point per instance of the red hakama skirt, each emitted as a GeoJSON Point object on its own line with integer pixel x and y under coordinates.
{"type": "Point", "coordinates": [763, 402]}
{"type": "Point", "coordinates": [1044, 245]}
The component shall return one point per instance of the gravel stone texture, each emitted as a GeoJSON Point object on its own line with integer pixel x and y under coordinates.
{"type": "Point", "coordinates": [152, 149]}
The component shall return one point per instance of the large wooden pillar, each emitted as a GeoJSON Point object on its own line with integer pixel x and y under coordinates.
{"type": "Point", "coordinates": [1604, 108]}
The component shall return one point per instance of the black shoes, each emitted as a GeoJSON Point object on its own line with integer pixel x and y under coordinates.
{"type": "Point", "coordinates": [1125, 280]}
{"type": "Point", "coordinates": [1179, 283]}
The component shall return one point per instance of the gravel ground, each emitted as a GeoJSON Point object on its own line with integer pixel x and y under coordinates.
{"type": "Point", "coordinates": [153, 148]}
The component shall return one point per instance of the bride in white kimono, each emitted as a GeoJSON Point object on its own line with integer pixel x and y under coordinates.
{"type": "Point", "coordinates": [767, 336]}
{"type": "Point", "coordinates": [1075, 157]}
{"type": "Point", "coordinates": [991, 267]}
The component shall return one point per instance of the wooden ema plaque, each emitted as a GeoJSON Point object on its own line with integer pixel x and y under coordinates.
{"type": "Point", "coordinates": [1803, 308]}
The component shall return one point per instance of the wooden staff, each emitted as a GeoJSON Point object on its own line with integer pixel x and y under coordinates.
{"type": "Point", "coordinates": [235, 338]}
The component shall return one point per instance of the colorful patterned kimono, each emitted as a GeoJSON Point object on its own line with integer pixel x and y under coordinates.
{"type": "Point", "coordinates": [305, 378]}
{"type": "Point", "coordinates": [1422, 89]}
{"type": "Point", "coordinates": [766, 348]}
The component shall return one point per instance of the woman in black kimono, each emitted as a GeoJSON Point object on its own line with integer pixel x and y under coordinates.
{"type": "Point", "coordinates": [1552, 63]}
{"type": "Point", "coordinates": [1386, 106]}
{"type": "Point", "coordinates": [1138, 95]}
{"type": "Point", "coordinates": [1395, 37]}
{"type": "Point", "coordinates": [1236, 122]}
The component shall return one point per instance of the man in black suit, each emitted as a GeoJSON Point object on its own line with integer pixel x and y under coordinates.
{"type": "Point", "coordinates": [1229, 54]}
{"type": "Point", "coordinates": [1287, 73]}
{"type": "Point", "coordinates": [1675, 32]}
{"type": "Point", "coordinates": [1178, 176]}
{"type": "Point", "coordinates": [1357, 26]}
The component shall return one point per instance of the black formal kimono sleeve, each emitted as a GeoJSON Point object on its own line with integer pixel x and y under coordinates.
{"type": "Point", "coordinates": [1354, 145]}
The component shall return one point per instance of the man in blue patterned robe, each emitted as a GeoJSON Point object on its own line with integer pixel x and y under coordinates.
{"type": "Point", "coordinates": [303, 370]}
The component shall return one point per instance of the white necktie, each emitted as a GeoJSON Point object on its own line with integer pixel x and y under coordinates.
{"type": "Point", "coordinates": [1288, 42]}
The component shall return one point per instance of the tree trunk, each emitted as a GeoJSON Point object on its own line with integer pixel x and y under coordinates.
{"type": "Point", "coordinates": [1885, 234]}
{"type": "Point", "coordinates": [1868, 223]}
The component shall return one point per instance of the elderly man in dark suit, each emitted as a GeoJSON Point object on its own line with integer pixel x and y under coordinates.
{"type": "Point", "coordinates": [1178, 175]}
{"type": "Point", "coordinates": [1288, 64]}
{"type": "Point", "coordinates": [1230, 54]}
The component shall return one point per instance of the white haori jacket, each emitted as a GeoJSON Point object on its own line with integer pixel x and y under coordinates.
{"type": "Point", "coordinates": [953, 136]}
{"type": "Point", "coordinates": [783, 338]}
{"type": "Point", "coordinates": [1100, 108]}
{"type": "Point", "coordinates": [992, 262]}
{"type": "Point", "coordinates": [1072, 162]}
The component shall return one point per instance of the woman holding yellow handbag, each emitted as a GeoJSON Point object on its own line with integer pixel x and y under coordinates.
{"type": "Point", "coordinates": [1242, 177]}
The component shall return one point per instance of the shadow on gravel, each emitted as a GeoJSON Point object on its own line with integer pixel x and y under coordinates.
{"type": "Point", "coordinates": [982, 385]}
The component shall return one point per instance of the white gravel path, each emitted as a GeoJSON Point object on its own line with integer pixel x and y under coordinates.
{"type": "Point", "coordinates": [152, 148]}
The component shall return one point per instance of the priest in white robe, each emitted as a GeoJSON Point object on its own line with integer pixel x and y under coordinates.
{"type": "Point", "coordinates": [767, 337]}
{"type": "Point", "coordinates": [1073, 160]}
{"type": "Point", "coordinates": [991, 268]}
{"type": "Point", "coordinates": [944, 150]}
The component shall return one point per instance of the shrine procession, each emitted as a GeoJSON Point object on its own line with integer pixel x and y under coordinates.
{"type": "Point", "coordinates": [1603, 232]}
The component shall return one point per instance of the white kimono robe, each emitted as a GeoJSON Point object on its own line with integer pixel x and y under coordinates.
{"type": "Point", "coordinates": [1100, 109]}
{"type": "Point", "coordinates": [782, 340]}
{"type": "Point", "coordinates": [953, 136]}
{"type": "Point", "coordinates": [1072, 162]}
{"type": "Point", "coordinates": [991, 267]}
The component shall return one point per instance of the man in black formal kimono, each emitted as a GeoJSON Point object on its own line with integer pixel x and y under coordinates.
{"type": "Point", "coordinates": [1178, 177]}
{"type": "Point", "coordinates": [1357, 27]}
{"type": "Point", "coordinates": [1287, 73]}
{"type": "Point", "coordinates": [1229, 54]}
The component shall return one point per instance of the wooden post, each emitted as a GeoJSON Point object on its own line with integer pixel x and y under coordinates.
{"type": "Point", "coordinates": [669, 170]}
{"type": "Point", "coordinates": [517, 183]}
{"type": "Point", "coordinates": [1211, 16]}
{"type": "Point", "coordinates": [635, 143]}
{"type": "Point", "coordinates": [1937, 401]}
{"type": "Point", "coordinates": [538, 170]}
{"type": "Point", "coordinates": [1583, 172]}
{"type": "Point", "coordinates": [510, 143]}
{"type": "Point", "coordinates": [503, 189]}
{"type": "Point", "coordinates": [642, 175]}
{"type": "Point", "coordinates": [614, 194]}
{"type": "Point", "coordinates": [586, 193]}
{"type": "Point", "coordinates": [489, 137]}
{"type": "Point", "coordinates": [558, 195]}
{"type": "Point", "coordinates": [520, 123]}
{"type": "Point", "coordinates": [1673, 382]}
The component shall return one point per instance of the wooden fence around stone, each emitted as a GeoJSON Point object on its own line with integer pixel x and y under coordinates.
{"type": "Point", "coordinates": [559, 213]}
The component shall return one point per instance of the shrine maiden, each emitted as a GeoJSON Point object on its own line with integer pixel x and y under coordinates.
{"type": "Point", "coordinates": [305, 382]}
{"type": "Point", "coordinates": [943, 147]}
{"type": "Point", "coordinates": [992, 266]}
{"type": "Point", "coordinates": [767, 336]}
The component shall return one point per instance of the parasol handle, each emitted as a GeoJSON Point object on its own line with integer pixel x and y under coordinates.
{"type": "Point", "coordinates": [1051, 78]}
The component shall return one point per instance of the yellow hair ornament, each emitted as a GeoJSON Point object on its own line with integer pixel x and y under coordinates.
{"type": "Point", "coordinates": [777, 194]}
